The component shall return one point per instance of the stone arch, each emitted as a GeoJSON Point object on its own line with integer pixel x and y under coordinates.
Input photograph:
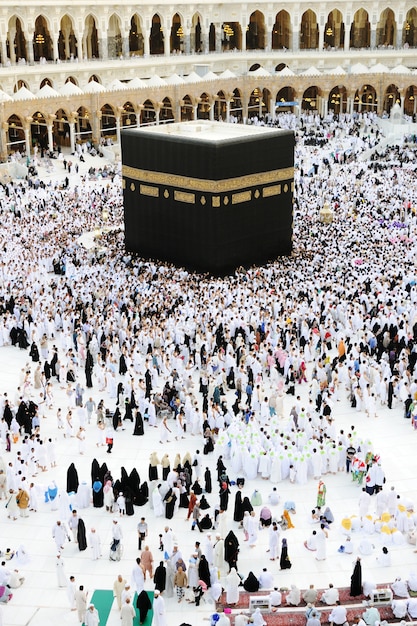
{"type": "Point", "coordinates": [236, 106]}
{"type": "Point", "coordinates": [108, 122]}
{"type": "Point", "coordinates": [94, 78]}
{"type": "Point", "coordinates": [176, 40]}
{"type": "Point", "coordinates": [16, 40]}
{"type": "Point", "coordinates": [391, 96]}
{"type": "Point", "coordinates": [258, 102]}
{"type": "Point", "coordinates": [204, 105]}
{"type": "Point", "coordinates": [360, 31]}
{"type": "Point", "coordinates": [46, 81]}
{"type": "Point", "coordinates": [114, 37]}
{"type": "Point", "coordinates": [148, 113]}
{"type": "Point", "coordinates": [67, 41]}
{"type": "Point", "coordinates": [255, 31]}
{"type": "Point", "coordinates": [71, 79]}
{"type": "Point", "coordinates": [186, 108]}
{"type": "Point", "coordinates": [309, 31]}
{"type": "Point", "coordinates": [337, 100]}
{"type": "Point", "coordinates": [410, 101]}
{"type": "Point", "coordinates": [128, 116]}
{"type": "Point", "coordinates": [83, 131]}
{"type": "Point", "coordinates": [410, 29]}
{"type": "Point", "coordinates": [196, 37]}
{"type": "Point", "coordinates": [90, 38]}
{"type": "Point", "coordinates": [212, 38]}
{"type": "Point", "coordinates": [334, 30]}
{"type": "Point", "coordinates": [166, 114]}
{"type": "Point", "coordinates": [136, 39]}
{"type": "Point", "coordinates": [284, 99]}
{"type": "Point", "coordinates": [156, 37]}
{"type": "Point", "coordinates": [16, 134]}
{"type": "Point", "coordinates": [310, 98]}
{"type": "Point", "coordinates": [39, 131]}
{"type": "Point", "coordinates": [220, 106]}
{"type": "Point", "coordinates": [231, 36]}
{"type": "Point", "coordinates": [20, 83]}
{"type": "Point", "coordinates": [42, 40]}
{"type": "Point", "coordinates": [282, 31]}
{"type": "Point", "coordinates": [386, 29]}
{"type": "Point", "coordinates": [366, 99]}
{"type": "Point", "coordinates": [61, 129]}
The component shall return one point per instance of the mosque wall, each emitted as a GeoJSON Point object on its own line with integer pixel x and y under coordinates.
{"type": "Point", "coordinates": [83, 72]}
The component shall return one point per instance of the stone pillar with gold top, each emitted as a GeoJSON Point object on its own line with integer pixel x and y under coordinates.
{"type": "Point", "coordinates": [26, 127]}
{"type": "Point", "coordinates": [72, 118]}
{"type": "Point", "coordinates": [138, 110]}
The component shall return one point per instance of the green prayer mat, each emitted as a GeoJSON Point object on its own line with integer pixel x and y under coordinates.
{"type": "Point", "coordinates": [103, 601]}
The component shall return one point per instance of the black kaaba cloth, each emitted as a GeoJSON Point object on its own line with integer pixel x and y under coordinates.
{"type": "Point", "coordinates": [209, 196]}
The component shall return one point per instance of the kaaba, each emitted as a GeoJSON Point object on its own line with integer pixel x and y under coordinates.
{"type": "Point", "coordinates": [209, 196]}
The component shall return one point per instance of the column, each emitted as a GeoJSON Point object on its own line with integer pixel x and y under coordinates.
{"type": "Point", "coordinates": [138, 110]}
{"type": "Point", "coordinates": [177, 110]}
{"type": "Point", "coordinates": [50, 124]}
{"type": "Point", "coordinates": [3, 51]}
{"type": "Point", "coordinates": [71, 122]}
{"type": "Point", "coordinates": [212, 102]}
{"type": "Point", "coordinates": [245, 104]}
{"type": "Point", "coordinates": [26, 128]}
{"type": "Point", "coordinates": [12, 35]}
{"type": "Point", "coordinates": [243, 37]}
{"type": "Point", "coordinates": [325, 106]}
{"type": "Point", "coordinates": [348, 26]}
{"type": "Point", "coordinates": [373, 38]}
{"type": "Point", "coordinates": [125, 45]}
{"type": "Point", "coordinates": [29, 40]}
{"type": "Point", "coordinates": [186, 42]}
{"type": "Point", "coordinates": [103, 50]}
{"type": "Point", "coordinates": [146, 46]}
{"type": "Point", "coordinates": [67, 52]}
{"type": "Point", "coordinates": [118, 117]}
{"type": "Point", "coordinates": [399, 42]}
{"type": "Point", "coordinates": [195, 108]}
{"type": "Point", "coordinates": [55, 51]}
{"type": "Point", "coordinates": [158, 108]}
{"type": "Point", "coordinates": [321, 38]}
{"type": "Point", "coordinates": [219, 33]}
{"type": "Point", "coordinates": [3, 142]}
{"type": "Point", "coordinates": [271, 108]}
{"type": "Point", "coordinates": [295, 40]}
{"type": "Point", "coordinates": [96, 127]}
{"type": "Point", "coordinates": [166, 43]}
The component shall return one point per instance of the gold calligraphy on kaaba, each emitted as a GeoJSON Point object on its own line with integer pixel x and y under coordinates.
{"type": "Point", "coordinates": [146, 190]}
{"type": "Point", "coordinates": [273, 190]}
{"type": "Point", "coordinates": [243, 196]}
{"type": "Point", "coordinates": [184, 196]}
{"type": "Point", "coordinates": [207, 185]}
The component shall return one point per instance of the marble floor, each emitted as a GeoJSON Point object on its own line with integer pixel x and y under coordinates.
{"type": "Point", "coordinates": [39, 602]}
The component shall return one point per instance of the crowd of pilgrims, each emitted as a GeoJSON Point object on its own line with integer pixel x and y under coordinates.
{"type": "Point", "coordinates": [213, 357]}
{"type": "Point", "coordinates": [341, 303]}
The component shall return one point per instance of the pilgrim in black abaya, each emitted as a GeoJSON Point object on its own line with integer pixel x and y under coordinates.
{"type": "Point", "coordinates": [72, 479]}
{"type": "Point", "coordinates": [251, 583]}
{"type": "Point", "coordinates": [138, 424]}
{"type": "Point", "coordinates": [204, 571]}
{"type": "Point", "coordinates": [89, 364]}
{"type": "Point", "coordinates": [224, 496]}
{"type": "Point", "coordinates": [231, 549]}
{"type": "Point", "coordinates": [238, 511]}
{"type": "Point", "coordinates": [207, 481]}
{"type": "Point", "coordinates": [134, 484]}
{"type": "Point", "coordinates": [160, 577]}
{"type": "Point", "coordinates": [98, 495]}
{"type": "Point", "coordinates": [284, 561]}
{"type": "Point", "coordinates": [95, 470]}
{"type": "Point", "coordinates": [81, 537]}
{"type": "Point", "coordinates": [170, 499]}
{"type": "Point", "coordinates": [144, 605]}
{"type": "Point", "coordinates": [356, 579]}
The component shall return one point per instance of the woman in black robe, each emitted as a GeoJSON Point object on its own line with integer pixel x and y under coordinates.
{"type": "Point", "coordinates": [204, 571]}
{"type": "Point", "coordinates": [170, 499]}
{"type": "Point", "coordinates": [81, 537]}
{"type": "Point", "coordinates": [238, 510]}
{"type": "Point", "coordinates": [98, 494]}
{"type": "Point", "coordinates": [203, 503]}
{"type": "Point", "coordinates": [120, 391]}
{"type": "Point", "coordinates": [103, 472]}
{"type": "Point", "coordinates": [72, 479]}
{"type": "Point", "coordinates": [160, 577]}
{"type": "Point", "coordinates": [221, 468]}
{"type": "Point", "coordinates": [284, 561]}
{"type": "Point", "coordinates": [129, 503]}
{"type": "Point", "coordinates": [134, 484]}
{"type": "Point", "coordinates": [133, 402]}
{"type": "Point", "coordinates": [122, 365]}
{"type": "Point", "coordinates": [207, 481]}
{"type": "Point", "coordinates": [138, 424]}
{"type": "Point", "coordinates": [128, 411]}
{"type": "Point", "coordinates": [144, 605]}
{"type": "Point", "coordinates": [143, 495]}
{"type": "Point", "coordinates": [246, 505]}
{"type": "Point", "coordinates": [197, 488]}
{"type": "Point", "coordinates": [117, 418]}
{"type": "Point", "coordinates": [124, 479]}
{"type": "Point", "coordinates": [356, 579]}
{"type": "Point", "coordinates": [251, 583]}
{"type": "Point", "coordinates": [224, 496]}
{"type": "Point", "coordinates": [34, 353]}
{"type": "Point", "coordinates": [95, 471]}
{"type": "Point", "coordinates": [231, 549]}
{"type": "Point", "coordinates": [88, 368]}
